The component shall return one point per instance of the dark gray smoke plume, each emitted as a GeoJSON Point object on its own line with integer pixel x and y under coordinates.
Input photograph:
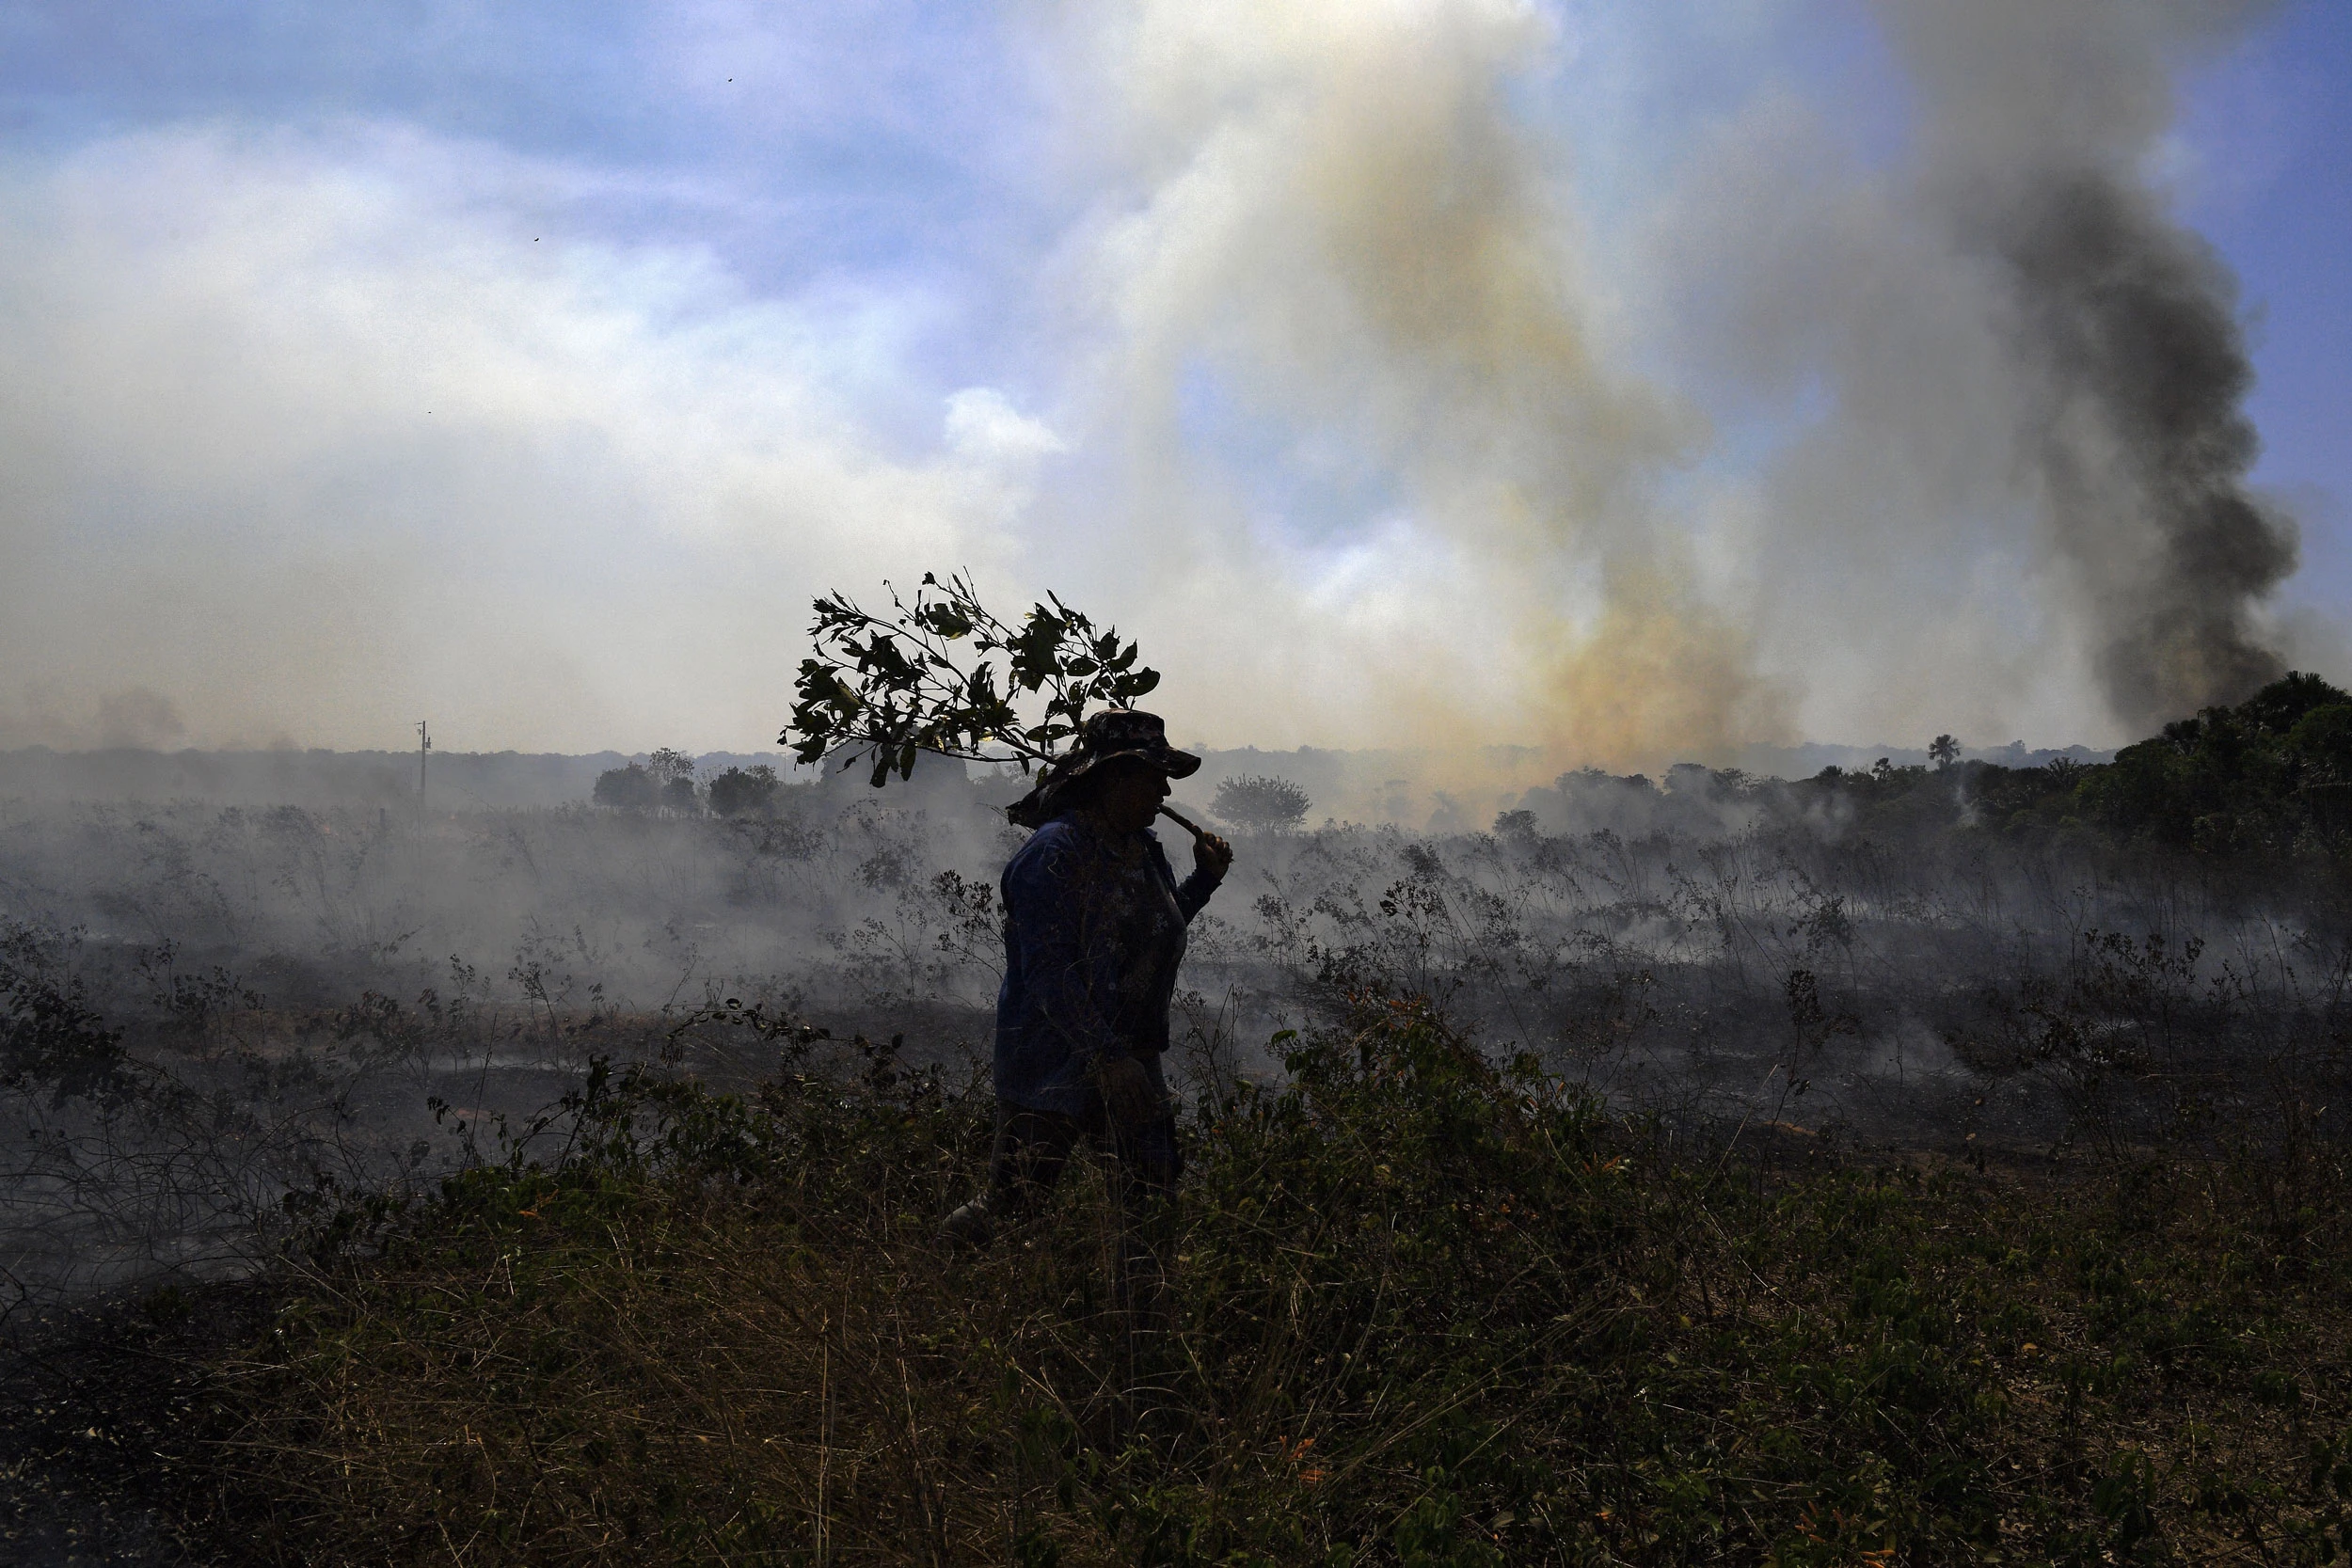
{"type": "Point", "coordinates": [2043, 117]}
{"type": "Point", "coordinates": [2147, 449]}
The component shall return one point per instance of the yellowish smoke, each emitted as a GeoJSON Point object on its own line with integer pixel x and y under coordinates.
{"type": "Point", "coordinates": [1338, 215]}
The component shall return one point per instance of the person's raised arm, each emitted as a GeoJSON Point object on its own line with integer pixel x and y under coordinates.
{"type": "Point", "coordinates": [1212, 858]}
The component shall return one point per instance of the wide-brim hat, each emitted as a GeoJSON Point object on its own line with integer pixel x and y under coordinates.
{"type": "Point", "coordinates": [1125, 732]}
{"type": "Point", "coordinates": [1105, 737]}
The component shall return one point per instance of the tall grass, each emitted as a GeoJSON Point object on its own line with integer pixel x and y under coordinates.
{"type": "Point", "coordinates": [1427, 1309]}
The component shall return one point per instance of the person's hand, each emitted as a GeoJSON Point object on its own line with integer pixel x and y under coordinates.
{"type": "Point", "coordinates": [1213, 855]}
{"type": "Point", "coordinates": [1134, 1101]}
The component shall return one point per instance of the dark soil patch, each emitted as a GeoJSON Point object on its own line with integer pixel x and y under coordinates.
{"type": "Point", "coordinates": [99, 1407]}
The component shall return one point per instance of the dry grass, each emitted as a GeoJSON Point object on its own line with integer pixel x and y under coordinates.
{"type": "Point", "coordinates": [1429, 1312]}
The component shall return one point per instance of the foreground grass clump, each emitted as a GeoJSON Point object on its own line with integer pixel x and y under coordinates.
{"type": "Point", "coordinates": [1428, 1311]}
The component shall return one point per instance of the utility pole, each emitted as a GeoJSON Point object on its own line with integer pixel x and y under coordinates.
{"type": "Point", "coordinates": [424, 744]}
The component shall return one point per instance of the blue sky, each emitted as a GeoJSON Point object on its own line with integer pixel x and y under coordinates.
{"type": "Point", "coordinates": [774, 243]}
{"type": "Point", "coordinates": [856, 148]}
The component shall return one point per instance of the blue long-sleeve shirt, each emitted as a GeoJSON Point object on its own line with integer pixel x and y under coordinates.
{"type": "Point", "coordinates": [1093, 941]}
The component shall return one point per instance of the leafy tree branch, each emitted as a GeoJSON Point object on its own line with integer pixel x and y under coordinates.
{"type": "Point", "coordinates": [942, 673]}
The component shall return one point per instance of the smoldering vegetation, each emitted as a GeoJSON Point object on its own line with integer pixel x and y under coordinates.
{"type": "Point", "coordinates": [221, 1018]}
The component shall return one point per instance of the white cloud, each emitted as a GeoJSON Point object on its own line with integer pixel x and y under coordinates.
{"type": "Point", "coordinates": [312, 441]}
{"type": "Point", "coordinates": [983, 425]}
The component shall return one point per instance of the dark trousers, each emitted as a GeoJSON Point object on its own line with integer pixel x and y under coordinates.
{"type": "Point", "coordinates": [1032, 1146]}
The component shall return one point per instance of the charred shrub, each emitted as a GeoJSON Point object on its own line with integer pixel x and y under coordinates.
{"type": "Point", "coordinates": [50, 1036]}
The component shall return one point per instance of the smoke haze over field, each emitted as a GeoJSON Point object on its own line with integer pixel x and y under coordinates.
{"type": "Point", "coordinates": [1620, 382]}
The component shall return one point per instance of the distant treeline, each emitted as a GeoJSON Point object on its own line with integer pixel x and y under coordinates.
{"type": "Point", "coordinates": [666, 782]}
{"type": "Point", "coordinates": [2271, 776]}
{"type": "Point", "coordinates": [2268, 779]}
{"type": "Point", "coordinates": [456, 780]}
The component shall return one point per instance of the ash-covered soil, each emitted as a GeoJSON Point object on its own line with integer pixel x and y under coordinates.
{"type": "Point", "coordinates": [103, 1403]}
